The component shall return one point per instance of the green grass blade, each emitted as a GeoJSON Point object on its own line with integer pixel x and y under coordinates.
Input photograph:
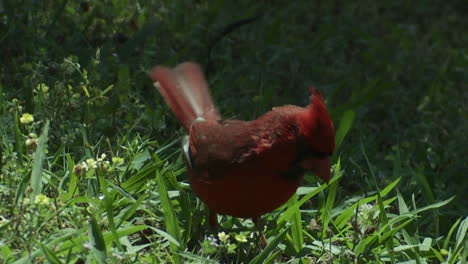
{"type": "Point", "coordinates": [344, 217]}
{"type": "Point", "coordinates": [345, 125]}
{"type": "Point", "coordinates": [2, 101]}
{"type": "Point", "coordinates": [108, 204]}
{"type": "Point", "coordinates": [269, 249]}
{"type": "Point", "coordinates": [288, 214]}
{"type": "Point", "coordinates": [427, 190]}
{"type": "Point", "coordinates": [402, 206]}
{"type": "Point", "coordinates": [75, 240]}
{"type": "Point", "coordinates": [450, 233]}
{"type": "Point", "coordinates": [72, 180]}
{"type": "Point", "coordinates": [170, 219]}
{"type": "Point", "coordinates": [18, 136]}
{"type": "Point", "coordinates": [128, 212]}
{"type": "Point", "coordinates": [433, 206]}
{"type": "Point", "coordinates": [51, 257]}
{"type": "Point", "coordinates": [296, 226]}
{"type": "Point", "coordinates": [36, 174]}
{"type": "Point", "coordinates": [461, 234]}
{"type": "Point", "coordinates": [465, 252]}
{"type": "Point", "coordinates": [384, 220]}
{"type": "Point", "coordinates": [272, 257]}
{"type": "Point", "coordinates": [330, 202]}
{"type": "Point", "coordinates": [166, 236]}
{"type": "Point", "coordinates": [97, 241]}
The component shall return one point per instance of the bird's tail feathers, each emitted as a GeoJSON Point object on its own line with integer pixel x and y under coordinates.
{"type": "Point", "coordinates": [185, 91]}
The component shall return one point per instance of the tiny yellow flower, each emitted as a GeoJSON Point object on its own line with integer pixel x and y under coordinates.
{"type": "Point", "coordinates": [26, 118]}
{"type": "Point", "coordinates": [240, 238]}
{"type": "Point", "coordinates": [117, 160]}
{"type": "Point", "coordinates": [41, 199]}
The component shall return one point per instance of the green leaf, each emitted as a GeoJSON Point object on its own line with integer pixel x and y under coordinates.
{"type": "Point", "coordinates": [140, 159]}
{"type": "Point", "coordinates": [426, 244]}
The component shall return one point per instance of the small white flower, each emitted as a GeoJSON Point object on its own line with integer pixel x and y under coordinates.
{"type": "Point", "coordinates": [105, 165]}
{"type": "Point", "coordinates": [223, 237]}
{"type": "Point", "coordinates": [84, 165]}
{"type": "Point", "coordinates": [32, 142]}
{"type": "Point", "coordinates": [87, 245]}
{"type": "Point", "coordinates": [213, 241]}
{"type": "Point", "coordinates": [26, 201]}
{"type": "Point", "coordinates": [43, 87]}
{"type": "Point", "coordinates": [240, 238]}
{"type": "Point", "coordinates": [92, 164]}
{"type": "Point", "coordinates": [117, 160]}
{"type": "Point", "coordinates": [3, 221]}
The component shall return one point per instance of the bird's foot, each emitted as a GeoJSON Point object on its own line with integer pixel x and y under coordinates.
{"type": "Point", "coordinates": [259, 226]}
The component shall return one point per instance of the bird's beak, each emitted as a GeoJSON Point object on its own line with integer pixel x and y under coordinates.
{"type": "Point", "coordinates": [320, 167]}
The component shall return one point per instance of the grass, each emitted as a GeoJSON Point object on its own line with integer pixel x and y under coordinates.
{"type": "Point", "coordinates": [97, 175]}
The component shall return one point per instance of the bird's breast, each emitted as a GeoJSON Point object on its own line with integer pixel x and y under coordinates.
{"type": "Point", "coordinates": [248, 189]}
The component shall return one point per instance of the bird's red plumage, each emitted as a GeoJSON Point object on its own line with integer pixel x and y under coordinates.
{"type": "Point", "coordinates": [246, 168]}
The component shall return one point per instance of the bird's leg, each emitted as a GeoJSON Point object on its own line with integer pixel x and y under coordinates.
{"type": "Point", "coordinates": [259, 226]}
{"type": "Point", "coordinates": [213, 220]}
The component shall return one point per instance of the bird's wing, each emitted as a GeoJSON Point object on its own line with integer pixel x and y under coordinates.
{"type": "Point", "coordinates": [217, 146]}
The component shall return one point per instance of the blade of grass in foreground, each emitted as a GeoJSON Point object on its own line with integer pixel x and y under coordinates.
{"type": "Point", "coordinates": [326, 211]}
{"type": "Point", "coordinates": [97, 241]}
{"type": "Point", "coordinates": [345, 125]}
{"type": "Point", "coordinates": [342, 220]}
{"type": "Point", "coordinates": [18, 139]}
{"type": "Point", "coordinates": [260, 259]}
{"type": "Point", "coordinates": [170, 219]}
{"type": "Point", "coordinates": [51, 257]}
{"type": "Point", "coordinates": [75, 240]}
{"type": "Point", "coordinates": [36, 174]}
{"type": "Point", "coordinates": [296, 229]}
{"type": "Point", "coordinates": [291, 209]}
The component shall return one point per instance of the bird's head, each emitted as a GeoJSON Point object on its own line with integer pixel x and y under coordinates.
{"type": "Point", "coordinates": [318, 137]}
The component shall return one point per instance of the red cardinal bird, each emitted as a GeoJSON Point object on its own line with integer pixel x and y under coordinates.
{"type": "Point", "coordinates": [245, 168]}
